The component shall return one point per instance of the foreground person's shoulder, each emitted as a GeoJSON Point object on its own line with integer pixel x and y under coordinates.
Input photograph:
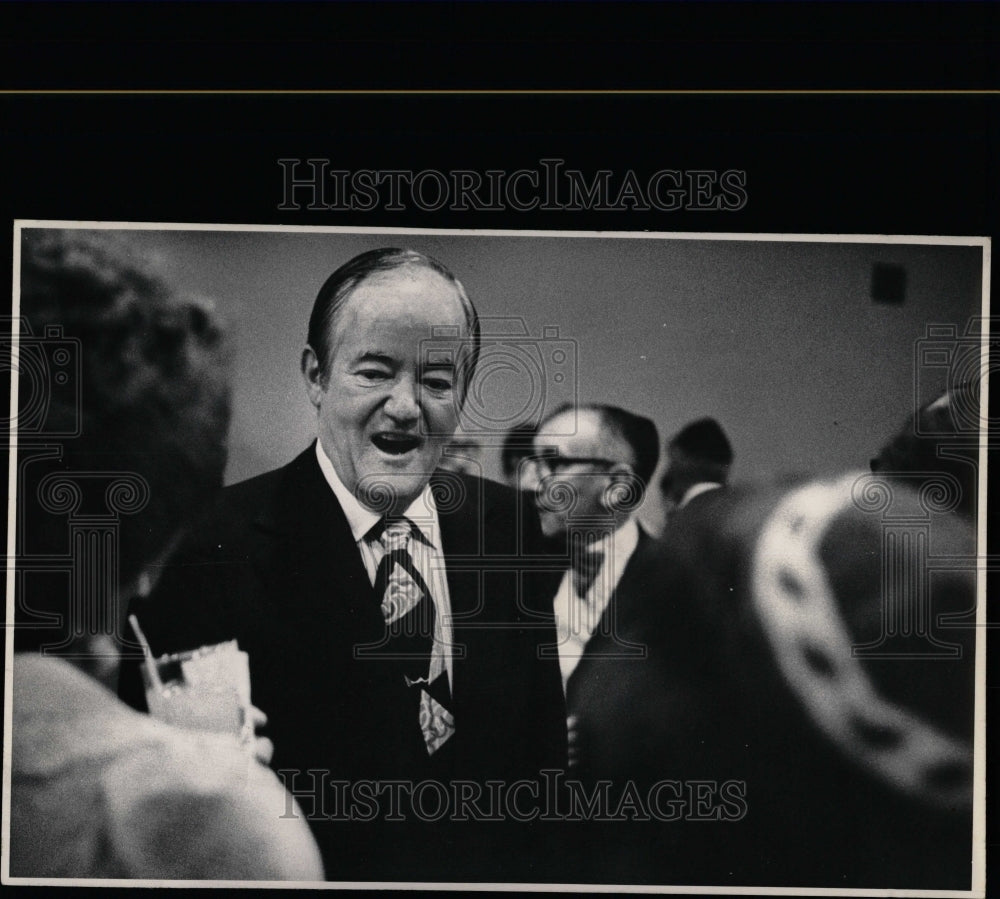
{"type": "Point", "coordinates": [209, 811]}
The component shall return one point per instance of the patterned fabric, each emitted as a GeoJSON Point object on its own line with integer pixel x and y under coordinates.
{"type": "Point", "coordinates": [436, 722]}
{"type": "Point", "coordinates": [585, 565]}
{"type": "Point", "coordinates": [797, 605]}
{"type": "Point", "coordinates": [408, 609]}
{"type": "Point", "coordinates": [406, 603]}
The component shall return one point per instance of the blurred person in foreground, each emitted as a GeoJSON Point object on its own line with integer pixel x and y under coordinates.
{"type": "Point", "coordinates": [99, 790]}
{"type": "Point", "coordinates": [810, 709]}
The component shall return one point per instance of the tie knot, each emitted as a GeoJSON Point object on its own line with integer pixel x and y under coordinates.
{"type": "Point", "coordinates": [394, 534]}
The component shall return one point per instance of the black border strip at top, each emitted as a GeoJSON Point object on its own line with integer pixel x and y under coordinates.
{"type": "Point", "coordinates": [489, 46]}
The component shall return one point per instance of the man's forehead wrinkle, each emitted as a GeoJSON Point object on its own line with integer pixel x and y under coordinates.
{"type": "Point", "coordinates": [570, 444]}
{"type": "Point", "coordinates": [409, 271]}
{"type": "Point", "coordinates": [408, 276]}
{"type": "Point", "coordinates": [352, 323]}
{"type": "Point", "coordinates": [442, 329]}
{"type": "Point", "coordinates": [555, 427]}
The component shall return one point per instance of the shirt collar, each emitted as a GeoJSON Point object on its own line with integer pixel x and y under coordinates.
{"type": "Point", "coordinates": [422, 511]}
{"type": "Point", "coordinates": [622, 544]}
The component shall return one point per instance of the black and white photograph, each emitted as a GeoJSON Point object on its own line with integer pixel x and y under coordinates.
{"type": "Point", "coordinates": [562, 558]}
{"type": "Point", "coordinates": [493, 447]}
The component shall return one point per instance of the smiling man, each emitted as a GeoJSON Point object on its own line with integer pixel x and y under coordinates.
{"type": "Point", "coordinates": [389, 608]}
{"type": "Point", "coordinates": [387, 403]}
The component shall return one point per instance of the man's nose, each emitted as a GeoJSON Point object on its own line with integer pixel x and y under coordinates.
{"type": "Point", "coordinates": [403, 403]}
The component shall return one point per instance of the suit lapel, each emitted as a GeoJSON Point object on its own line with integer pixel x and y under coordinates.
{"type": "Point", "coordinates": [611, 636]}
{"type": "Point", "coordinates": [313, 568]}
{"type": "Point", "coordinates": [461, 515]}
{"type": "Point", "coordinates": [628, 592]}
{"type": "Point", "coordinates": [317, 565]}
{"type": "Point", "coordinates": [459, 504]}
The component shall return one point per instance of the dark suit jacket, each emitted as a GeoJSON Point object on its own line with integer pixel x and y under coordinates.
{"type": "Point", "coordinates": [611, 639]}
{"type": "Point", "coordinates": [275, 566]}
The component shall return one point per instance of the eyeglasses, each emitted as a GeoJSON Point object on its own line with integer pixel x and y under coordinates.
{"type": "Point", "coordinates": [555, 464]}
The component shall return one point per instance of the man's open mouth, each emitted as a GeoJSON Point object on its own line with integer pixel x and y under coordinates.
{"type": "Point", "coordinates": [396, 444]}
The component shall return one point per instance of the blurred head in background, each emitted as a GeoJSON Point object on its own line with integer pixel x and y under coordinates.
{"type": "Point", "coordinates": [699, 456]}
{"type": "Point", "coordinates": [518, 446]}
{"type": "Point", "coordinates": [463, 456]}
{"type": "Point", "coordinates": [938, 448]}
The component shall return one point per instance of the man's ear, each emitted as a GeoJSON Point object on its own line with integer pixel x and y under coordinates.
{"type": "Point", "coordinates": [312, 375]}
{"type": "Point", "coordinates": [624, 491]}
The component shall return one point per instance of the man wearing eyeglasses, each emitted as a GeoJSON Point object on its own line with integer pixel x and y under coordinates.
{"type": "Point", "coordinates": [591, 467]}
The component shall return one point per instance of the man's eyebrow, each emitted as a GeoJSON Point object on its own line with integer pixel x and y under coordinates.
{"type": "Point", "coordinates": [374, 356]}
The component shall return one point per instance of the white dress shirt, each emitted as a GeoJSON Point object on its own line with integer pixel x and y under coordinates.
{"type": "Point", "coordinates": [576, 618]}
{"type": "Point", "coordinates": [425, 549]}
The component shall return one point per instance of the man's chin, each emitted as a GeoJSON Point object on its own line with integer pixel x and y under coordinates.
{"type": "Point", "coordinates": [390, 488]}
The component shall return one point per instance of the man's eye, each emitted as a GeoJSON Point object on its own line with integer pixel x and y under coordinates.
{"type": "Point", "coordinates": [373, 374]}
{"type": "Point", "coordinates": [437, 384]}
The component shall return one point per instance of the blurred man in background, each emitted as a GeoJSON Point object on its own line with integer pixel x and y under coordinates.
{"type": "Point", "coordinates": [518, 447]}
{"type": "Point", "coordinates": [463, 456]}
{"type": "Point", "coordinates": [592, 465]}
{"type": "Point", "coordinates": [700, 458]}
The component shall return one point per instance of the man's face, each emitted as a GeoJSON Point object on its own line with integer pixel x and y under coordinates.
{"type": "Point", "coordinates": [389, 406]}
{"type": "Point", "coordinates": [569, 490]}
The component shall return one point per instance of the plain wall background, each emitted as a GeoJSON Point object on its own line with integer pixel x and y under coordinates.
{"type": "Point", "coordinates": [780, 341]}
